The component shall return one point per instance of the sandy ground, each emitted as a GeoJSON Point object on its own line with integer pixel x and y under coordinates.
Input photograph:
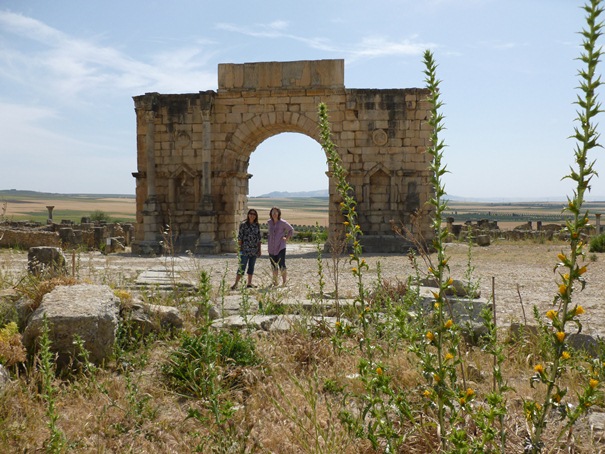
{"type": "Point", "coordinates": [521, 273]}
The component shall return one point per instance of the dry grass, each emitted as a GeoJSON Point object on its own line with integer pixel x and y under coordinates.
{"type": "Point", "coordinates": [291, 401]}
{"type": "Point", "coordinates": [23, 208]}
{"type": "Point", "coordinates": [284, 408]}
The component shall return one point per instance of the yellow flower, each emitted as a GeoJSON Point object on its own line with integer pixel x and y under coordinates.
{"type": "Point", "coordinates": [430, 336]}
{"type": "Point", "coordinates": [444, 262]}
{"type": "Point", "coordinates": [593, 383]}
{"type": "Point", "coordinates": [449, 356]}
{"type": "Point", "coordinates": [470, 392]}
{"type": "Point", "coordinates": [435, 295]}
{"type": "Point", "coordinates": [448, 324]}
{"type": "Point", "coordinates": [437, 305]}
{"type": "Point", "coordinates": [354, 269]}
{"type": "Point", "coordinates": [579, 310]}
{"type": "Point", "coordinates": [565, 355]}
{"type": "Point", "coordinates": [562, 289]}
{"type": "Point", "coordinates": [123, 295]}
{"type": "Point", "coordinates": [337, 324]}
{"type": "Point", "coordinates": [551, 314]}
{"type": "Point", "coordinates": [582, 270]}
{"type": "Point", "coordinates": [539, 368]}
{"type": "Point", "coordinates": [430, 269]}
{"type": "Point", "coordinates": [556, 398]}
{"type": "Point", "coordinates": [450, 281]}
{"type": "Point", "coordinates": [462, 401]}
{"type": "Point", "coordinates": [427, 393]}
{"type": "Point", "coordinates": [560, 336]}
{"type": "Point", "coordinates": [562, 257]}
{"type": "Point", "coordinates": [436, 378]}
{"type": "Point", "coordinates": [346, 223]}
{"type": "Point", "coordinates": [379, 370]}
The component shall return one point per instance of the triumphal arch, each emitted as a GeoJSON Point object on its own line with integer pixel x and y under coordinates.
{"type": "Point", "coordinates": [193, 151]}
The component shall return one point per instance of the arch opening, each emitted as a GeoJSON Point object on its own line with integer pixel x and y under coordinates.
{"type": "Point", "coordinates": [290, 169]}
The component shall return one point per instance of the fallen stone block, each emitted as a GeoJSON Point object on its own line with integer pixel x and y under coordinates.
{"type": "Point", "coordinates": [90, 312]}
{"type": "Point", "coordinates": [44, 260]}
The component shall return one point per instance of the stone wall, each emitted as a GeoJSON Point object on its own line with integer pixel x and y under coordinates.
{"type": "Point", "coordinates": [66, 235]}
{"type": "Point", "coordinates": [193, 152]}
{"type": "Point", "coordinates": [24, 239]}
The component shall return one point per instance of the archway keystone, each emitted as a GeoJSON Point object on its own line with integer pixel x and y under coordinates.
{"type": "Point", "coordinates": [198, 146]}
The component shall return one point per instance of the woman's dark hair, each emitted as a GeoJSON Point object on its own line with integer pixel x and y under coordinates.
{"type": "Point", "coordinates": [278, 212]}
{"type": "Point", "coordinates": [252, 211]}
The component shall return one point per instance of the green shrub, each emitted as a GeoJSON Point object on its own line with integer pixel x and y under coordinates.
{"type": "Point", "coordinates": [597, 243]}
{"type": "Point", "coordinates": [99, 215]}
{"type": "Point", "coordinates": [203, 362]}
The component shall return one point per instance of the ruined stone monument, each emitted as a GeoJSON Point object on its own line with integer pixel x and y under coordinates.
{"type": "Point", "coordinates": [193, 152]}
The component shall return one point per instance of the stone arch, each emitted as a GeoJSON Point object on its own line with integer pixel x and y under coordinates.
{"type": "Point", "coordinates": [201, 143]}
{"type": "Point", "coordinates": [246, 140]}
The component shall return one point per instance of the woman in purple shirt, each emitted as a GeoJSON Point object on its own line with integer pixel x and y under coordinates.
{"type": "Point", "coordinates": [279, 232]}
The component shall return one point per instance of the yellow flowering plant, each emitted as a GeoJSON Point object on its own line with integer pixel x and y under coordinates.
{"type": "Point", "coordinates": [379, 398]}
{"type": "Point", "coordinates": [570, 270]}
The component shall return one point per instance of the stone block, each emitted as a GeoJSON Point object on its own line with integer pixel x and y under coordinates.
{"type": "Point", "coordinates": [48, 261]}
{"type": "Point", "coordinates": [89, 311]}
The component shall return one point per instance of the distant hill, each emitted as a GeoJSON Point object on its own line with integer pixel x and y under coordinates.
{"type": "Point", "coordinates": [293, 195]}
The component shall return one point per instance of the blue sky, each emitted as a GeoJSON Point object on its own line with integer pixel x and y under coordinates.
{"type": "Point", "coordinates": [69, 70]}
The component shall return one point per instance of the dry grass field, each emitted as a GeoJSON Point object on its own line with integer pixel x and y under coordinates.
{"type": "Point", "coordinates": [17, 205]}
{"type": "Point", "coordinates": [292, 399]}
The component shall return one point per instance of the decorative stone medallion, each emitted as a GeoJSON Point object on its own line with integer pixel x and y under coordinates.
{"type": "Point", "coordinates": [380, 137]}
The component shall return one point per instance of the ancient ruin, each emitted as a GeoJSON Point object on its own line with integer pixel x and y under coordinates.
{"type": "Point", "coordinates": [193, 152]}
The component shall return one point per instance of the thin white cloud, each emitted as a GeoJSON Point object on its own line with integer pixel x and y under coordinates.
{"type": "Point", "coordinates": [379, 47]}
{"type": "Point", "coordinates": [71, 66]}
{"type": "Point", "coordinates": [368, 47]}
{"type": "Point", "coordinates": [29, 130]}
{"type": "Point", "coordinates": [279, 25]}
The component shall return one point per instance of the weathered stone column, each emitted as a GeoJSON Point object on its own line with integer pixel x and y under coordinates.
{"type": "Point", "coordinates": [207, 241]}
{"type": "Point", "coordinates": [50, 214]}
{"type": "Point", "coordinates": [150, 208]}
{"type": "Point", "coordinates": [206, 186]}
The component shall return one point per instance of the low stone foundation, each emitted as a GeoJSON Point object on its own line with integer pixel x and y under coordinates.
{"type": "Point", "coordinates": [89, 236]}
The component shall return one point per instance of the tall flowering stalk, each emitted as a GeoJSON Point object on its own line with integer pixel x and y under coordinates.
{"type": "Point", "coordinates": [569, 267]}
{"type": "Point", "coordinates": [379, 402]}
{"type": "Point", "coordinates": [351, 227]}
{"type": "Point", "coordinates": [440, 357]}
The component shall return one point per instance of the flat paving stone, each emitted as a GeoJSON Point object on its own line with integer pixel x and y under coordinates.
{"type": "Point", "coordinates": [163, 278]}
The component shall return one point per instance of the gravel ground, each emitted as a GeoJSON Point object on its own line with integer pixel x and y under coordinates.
{"type": "Point", "coordinates": [522, 274]}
